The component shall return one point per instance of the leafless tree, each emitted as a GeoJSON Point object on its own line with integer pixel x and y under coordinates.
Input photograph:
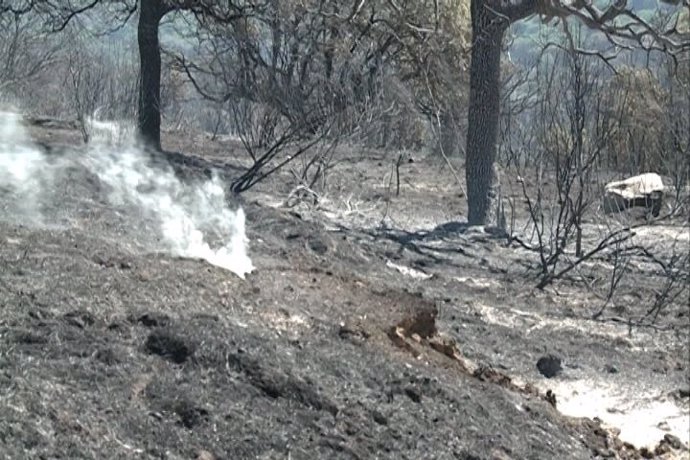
{"type": "Point", "coordinates": [283, 78]}
{"type": "Point", "coordinates": [561, 160]}
{"type": "Point", "coordinates": [59, 15]}
{"type": "Point", "coordinates": [99, 81]}
{"type": "Point", "coordinates": [674, 143]}
{"type": "Point", "coordinates": [26, 51]}
{"type": "Point", "coordinates": [85, 85]}
{"type": "Point", "coordinates": [490, 20]}
{"type": "Point", "coordinates": [570, 127]}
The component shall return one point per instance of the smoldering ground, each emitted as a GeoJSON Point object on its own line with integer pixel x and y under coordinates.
{"type": "Point", "coordinates": [111, 349]}
{"type": "Point", "coordinates": [163, 212]}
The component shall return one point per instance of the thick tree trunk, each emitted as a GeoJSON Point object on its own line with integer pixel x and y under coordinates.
{"type": "Point", "coordinates": [483, 116]}
{"type": "Point", "coordinates": [149, 123]}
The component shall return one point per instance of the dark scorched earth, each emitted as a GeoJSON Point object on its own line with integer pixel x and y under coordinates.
{"type": "Point", "coordinates": [329, 349]}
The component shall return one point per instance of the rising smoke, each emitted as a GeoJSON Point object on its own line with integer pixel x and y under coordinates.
{"type": "Point", "coordinates": [21, 173]}
{"type": "Point", "coordinates": [193, 220]}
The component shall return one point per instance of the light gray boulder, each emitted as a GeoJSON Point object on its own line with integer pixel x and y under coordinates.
{"type": "Point", "coordinates": [645, 190]}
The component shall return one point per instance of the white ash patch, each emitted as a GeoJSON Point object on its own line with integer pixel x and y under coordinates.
{"type": "Point", "coordinates": [642, 417]}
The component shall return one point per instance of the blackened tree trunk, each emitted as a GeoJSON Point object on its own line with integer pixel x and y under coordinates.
{"type": "Point", "coordinates": [488, 29]}
{"type": "Point", "coordinates": [149, 122]}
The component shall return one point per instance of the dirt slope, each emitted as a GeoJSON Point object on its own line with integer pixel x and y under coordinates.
{"type": "Point", "coordinates": [330, 349]}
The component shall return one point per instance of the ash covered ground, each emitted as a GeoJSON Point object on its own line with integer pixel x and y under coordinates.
{"type": "Point", "coordinates": [347, 339]}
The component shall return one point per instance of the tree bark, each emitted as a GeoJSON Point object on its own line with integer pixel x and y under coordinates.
{"type": "Point", "coordinates": [149, 121]}
{"type": "Point", "coordinates": [488, 30]}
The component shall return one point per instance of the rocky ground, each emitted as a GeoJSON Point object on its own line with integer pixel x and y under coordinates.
{"type": "Point", "coordinates": [373, 326]}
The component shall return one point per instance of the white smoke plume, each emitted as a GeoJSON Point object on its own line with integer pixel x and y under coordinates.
{"type": "Point", "coordinates": [21, 169]}
{"type": "Point", "coordinates": [109, 132]}
{"type": "Point", "coordinates": [194, 220]}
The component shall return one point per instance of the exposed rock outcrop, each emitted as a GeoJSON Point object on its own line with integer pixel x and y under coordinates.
{"type": "Point", "coordinates": [645, 190]}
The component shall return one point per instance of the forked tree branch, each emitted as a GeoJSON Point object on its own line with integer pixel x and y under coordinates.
{"type": "Point", "coordinates": [626, 24]}
{"type": "Point", "coordinates": [618, 21]}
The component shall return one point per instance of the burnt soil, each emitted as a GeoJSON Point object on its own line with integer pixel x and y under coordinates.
{"type": "Point", "coordinates": [327, 350]}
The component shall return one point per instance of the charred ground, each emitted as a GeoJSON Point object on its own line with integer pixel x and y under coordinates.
{"type": "Point", "coordinates": [415, 339]}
